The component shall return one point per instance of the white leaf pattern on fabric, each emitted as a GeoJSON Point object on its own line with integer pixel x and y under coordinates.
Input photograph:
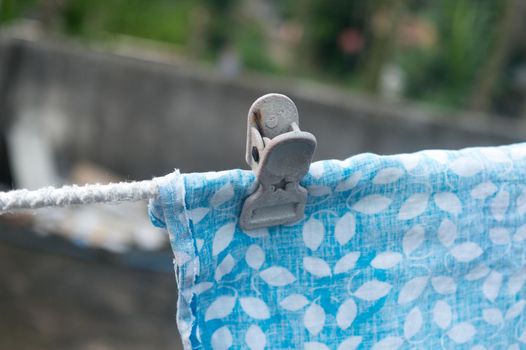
{"type": "Point", "coordinates": [294, 302]}
{"type": "Point", "coordinates": [413, 323]}
{"type": "Point", "coordinates": [478, 272]}
{"type": "Point", "coordinates": [388, 343]}
{"type": "Point", "coordinates": [386, 260]}
{"type": "Point", "coordinates": [313, 233]}
{"type": "Point", "coordinates": [346, 263]}
{"type": "Point", "coordinates": [492, 316]}
{"type": "Point", "coordinates": [438, 156]}
{"type": "Point", "coordinates": [495, 155]}
{"type": "Point", "coordinates": [462, 333]}
{"type": "Point", "coordinates": [255, 256]}
{"type": "Point", "coordinates": [491, 286]}
{"type": "Point", "coordinates": [316, 266]}
{"type": "Point", "coordinates": [415, 205]}
{"type": "Point", "coordinates": [515, 310]}
{"type": "Point", "coordinates": [412, 289]}
{"type": "Point", "coordinates": [319, 191]}
{"type": "Point", "coordinates": [447, 232]}
{"type": "Point", "coordinates": [387, 176]}
{"type": "Point", "coordinates": [202, 287]}
{"type": "Point", "coordinates": [255, 338]}
{"type": "Point", "coordinates": [199, 244]}
{"type": "Point", "coordinates": [255, 308]}
{"type": "Point", "coordinates": [413, 238]}
{"type": "Point", "coordinates": [277, 276]}
{"type": "Point", "coordinates": [257, 233]}
{"type": "Point", "coordinates": [466, 252]}
{"type": "Point", "coordinates": [483, 190]}
{"type": "Point", "coordinates": [314, 345]}
{"type": "Point", "coordinates": [465, 167]}
{"type": "Point", "coordinates": [520, 234]}
{"type": "Point", "coordinates": [444, 284]}
{"type": "Point", "coordinates": [223, 237]}
{"type": "Point", "coordinates": [224, 268]}
{"type": "Point", "coordinates": [500, 204]}
{"type": "Point", "coordinates": [198, 333]}
{"type": "Point", "coordinates": [372, 204]}
{"type": "Point", "coordinates": [221, 307]}
{"type": "Point", "coordinates": [453, 268]}
{"type": "Point", "coordinates": [516, 281]}
{"type": "Point", "coordinates": [499, 235]}
{"type": "Point", "coordinates": [221, 339]}
{"type": "Point", "coordinates": [373, 290]}
{"type": "Point", "coordinates": [449, 202]}
{"type": "Point", "coordinates": [186, 294]}
{"type": "Point", "coordinates": [478, 347]}
{"type": "Point", "coordinates": [197, 214]}
{"type": "Point", "coordinates": [346, 314]}
{"type": "Point", "coordinates": [442, 315]}
{"type": "Point", "coordinates": [345, 228]}
{"type": "Point", "coordinates": [350, 343]}
{"type": "Point", "coordinates": [223, 195]}
{"type": "Point", "coordinates": [212, 175]}
{"type": "Point", "coordinates": [317, 169]}
{"type": "Point", "coordinates": [409, 161]}
{"type": "Point", "coordinates": [349, 183]}
{"type": "Point", "coordinates": [314, 318]}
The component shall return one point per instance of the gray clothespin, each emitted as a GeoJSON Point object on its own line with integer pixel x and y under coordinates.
{"type": "Point", "coordinates": [280, 155]}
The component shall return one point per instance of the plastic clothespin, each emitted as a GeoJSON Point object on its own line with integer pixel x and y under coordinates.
{"type": "Point", "coordinates": [280, 155]}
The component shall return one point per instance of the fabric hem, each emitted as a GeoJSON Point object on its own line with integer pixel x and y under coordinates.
{"type": "Point", "coordinates": [169, 211]}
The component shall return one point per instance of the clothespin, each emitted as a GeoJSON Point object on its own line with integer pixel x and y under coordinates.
{"type": "Point", "coordinates": [280, 155]}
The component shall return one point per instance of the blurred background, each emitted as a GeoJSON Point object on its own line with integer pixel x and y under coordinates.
{"type": "Point", "coordinates": [108, 90]}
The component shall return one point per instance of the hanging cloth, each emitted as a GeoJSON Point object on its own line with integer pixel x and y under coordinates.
{"type": "Point", "coordinates": [423, 250]}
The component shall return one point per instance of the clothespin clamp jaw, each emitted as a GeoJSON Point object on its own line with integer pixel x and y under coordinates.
{"type": "Point", "coordinates": [280, 155]}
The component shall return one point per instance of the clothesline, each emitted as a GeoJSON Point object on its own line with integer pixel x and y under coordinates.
{"type": "Point", "coordinates": [74, 194]}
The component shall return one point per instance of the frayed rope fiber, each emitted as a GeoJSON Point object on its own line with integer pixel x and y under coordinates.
{"type": "Point", "coordinates": [71, 195]}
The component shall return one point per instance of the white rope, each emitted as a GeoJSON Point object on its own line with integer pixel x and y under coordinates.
{"type": "Point", "coordinates": [70, 195]}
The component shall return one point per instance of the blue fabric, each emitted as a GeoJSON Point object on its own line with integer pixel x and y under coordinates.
{"type": "Point", "coordinates": [412, 251]}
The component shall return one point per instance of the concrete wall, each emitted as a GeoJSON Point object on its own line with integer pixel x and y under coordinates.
{"type": "Point", "coordinates": [143, 118]}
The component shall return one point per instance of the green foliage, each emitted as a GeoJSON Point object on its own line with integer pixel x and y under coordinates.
{"type": "Point", "coordinates": [325, 21]}
{"type": "Point", "coordinates": [12, 9]}
{"type": "Point", "coordinates": [251, 44]}
{"type": "Point", "coordinates": [221, 25]}
{"type": "Point", "coordinates": [446, 72]}
{"type": "Point", "coordinates": [162, 20]}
